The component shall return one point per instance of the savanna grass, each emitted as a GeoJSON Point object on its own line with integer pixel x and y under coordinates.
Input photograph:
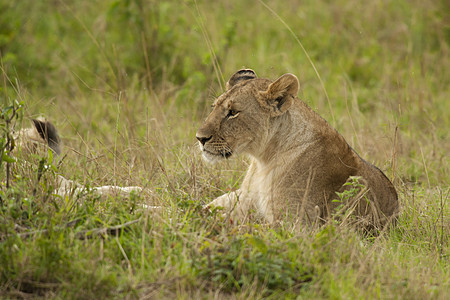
{"type": "Point", "coordinates": [128, 82]}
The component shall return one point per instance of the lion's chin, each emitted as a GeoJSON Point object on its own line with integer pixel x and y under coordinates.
{"type": "Point", "coordinates": [213, 158]}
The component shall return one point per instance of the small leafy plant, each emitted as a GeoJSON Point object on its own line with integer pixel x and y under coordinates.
{"type": "Point", "coordinates": [9, 115]}
{"type": "Point", "coordinates": [355, 191]}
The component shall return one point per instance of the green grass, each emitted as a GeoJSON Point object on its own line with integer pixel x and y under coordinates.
{"type": "Point", "coordinates": [128, 83]}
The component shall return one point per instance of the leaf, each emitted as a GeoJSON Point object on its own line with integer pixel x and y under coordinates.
{"type": "Point", "coordinates": [6, 110]}
{"type": "Point", "coordinates": [7, 158]}
{"type": "Point", "coordinates": [258, 244]}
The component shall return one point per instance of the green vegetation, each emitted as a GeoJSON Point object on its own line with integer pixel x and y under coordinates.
{"type": "Point", "coordinates": [128, 82]}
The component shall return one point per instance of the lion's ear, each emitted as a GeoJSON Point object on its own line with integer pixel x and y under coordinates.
{"type": "Point", "coordinates": [49, 134]}
{"type": "Point", "coordinates": [281, 93]}
{"type": "Point", "coordinates": [241, 75]}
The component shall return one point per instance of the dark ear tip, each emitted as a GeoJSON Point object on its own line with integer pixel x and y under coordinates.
{"type": "Point", "coordinates": [49, 134]}
{"type": "Point", "coordinates": [37, 122]}
{"type": "Point", "coordinates": [245, 70]}
{"type": "Point", "coordinates": [241, 75]}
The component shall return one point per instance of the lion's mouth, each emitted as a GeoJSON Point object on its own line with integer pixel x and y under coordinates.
{"type": "Point", "coordinates": [226, 154]}
{"type": "Point", "coordinates": [211, 156]}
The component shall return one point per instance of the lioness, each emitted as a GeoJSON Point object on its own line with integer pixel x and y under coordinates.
{"type": "Point", "coordinates": [43, 134]}
{"type": "Point", "coordinates": [298, 161]}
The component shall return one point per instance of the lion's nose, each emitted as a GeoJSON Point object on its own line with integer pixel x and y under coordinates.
{"type": "Point", "coordinates": [203, 139]}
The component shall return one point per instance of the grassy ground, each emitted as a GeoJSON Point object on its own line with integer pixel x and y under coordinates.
{"type": "Point", "coordinates": [128, 82]}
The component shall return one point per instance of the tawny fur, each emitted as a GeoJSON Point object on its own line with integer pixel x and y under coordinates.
{"type": "Point", "coordinates": [298, 161]}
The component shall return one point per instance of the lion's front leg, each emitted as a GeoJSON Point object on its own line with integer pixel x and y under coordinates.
{"type": "Point", "coordinates": [235, 204]}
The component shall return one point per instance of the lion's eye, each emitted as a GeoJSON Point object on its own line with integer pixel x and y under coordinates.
{"type": "Point", "coordinates": [232, 113]}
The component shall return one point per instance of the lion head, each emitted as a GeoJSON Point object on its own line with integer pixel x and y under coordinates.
{"type": "Point", "coordinates": [243, 117]}
{"type": "Point", "coordinates": [42, 134]}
